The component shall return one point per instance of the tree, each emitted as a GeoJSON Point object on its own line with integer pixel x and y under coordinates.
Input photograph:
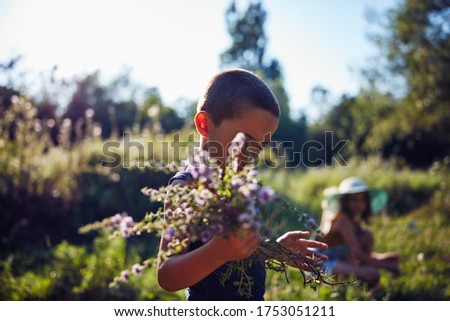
{"type": "Point", "coordinates": [9, 82]}
{"type": "Point", "coordinates": [248, 51]}
{"type": "Point", "coordinates": [248, 37]}
{"type": "Point", "coordinates": [248, 46]}
{"type": "Point", "coordinates": [416, 48]}
{"type": "Point", "coordinates": [354, 119]}
{"type": "Point", "coordinates": [155, 115]}
{"type": "Point", "coordinates": [113, 104]}
{"type": "Point", "coordinates": [90, 94]}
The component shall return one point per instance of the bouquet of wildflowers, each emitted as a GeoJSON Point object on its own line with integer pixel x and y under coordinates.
{"type": "Point", "coordinates": [217, 202]}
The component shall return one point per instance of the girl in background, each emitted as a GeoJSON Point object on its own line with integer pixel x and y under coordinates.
{"type": "Point", "coordinates": [345, 209]}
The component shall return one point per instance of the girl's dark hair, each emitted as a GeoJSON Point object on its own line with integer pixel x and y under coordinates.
{"type": "Point", "coordinates": [365, 216]}
{"type": "Point", "coordinates": [231, 91]}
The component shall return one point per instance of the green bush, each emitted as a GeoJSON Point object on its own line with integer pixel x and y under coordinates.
{"type": "Point", "coordinates": [74, 273]}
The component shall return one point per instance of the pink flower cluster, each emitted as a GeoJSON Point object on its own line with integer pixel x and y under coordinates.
{"type": "Point", "coordinates": [216, 202]}
{"type": "Point", "coordinates": [122, 221]}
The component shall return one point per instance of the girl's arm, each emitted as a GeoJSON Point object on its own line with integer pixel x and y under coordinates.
{"type": "Point", "coordinates": [346, 228]}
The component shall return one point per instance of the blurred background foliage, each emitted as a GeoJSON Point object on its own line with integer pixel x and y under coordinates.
{"type": "Point", "coordinates": [52, 181]}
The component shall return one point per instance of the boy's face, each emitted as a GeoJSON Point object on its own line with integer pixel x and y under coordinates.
{"type": "Point", "coordinates": [257, 124]}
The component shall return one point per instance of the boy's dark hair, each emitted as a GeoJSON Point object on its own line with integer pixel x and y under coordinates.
{"type": "Point", "coordinates": [229, 92]}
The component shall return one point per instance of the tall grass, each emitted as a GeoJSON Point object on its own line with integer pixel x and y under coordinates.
{"type": "Point", "coordinates": [415, 224]}
{"type": "Point", "coordinates": [407, 188]}
{"type": "Point", "coordinates": [48, 190]}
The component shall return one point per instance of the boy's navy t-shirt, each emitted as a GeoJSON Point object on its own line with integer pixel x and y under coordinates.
{"type": "Point", "coordinates": [210, 287]}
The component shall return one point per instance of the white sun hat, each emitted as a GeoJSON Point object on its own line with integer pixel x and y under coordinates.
{"type": "Point", "coordinates": [352, 185]}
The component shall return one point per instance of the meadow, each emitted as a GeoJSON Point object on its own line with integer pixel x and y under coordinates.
{"type": "Point", "coordinates": [48, 191]}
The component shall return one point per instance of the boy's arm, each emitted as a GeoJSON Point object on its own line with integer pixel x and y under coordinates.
{"type": "Point", "coordinates": [188, 268]}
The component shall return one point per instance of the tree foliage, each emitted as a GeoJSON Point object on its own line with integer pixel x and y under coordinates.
{"type": "Point", "coordinates": [416, 46]}
{"type": "Point", "coordinates": [248, 51]}
{"type": "Point", "coordinates": [409, 121]}
{"type": "Point", "coordinates": [248, 37]}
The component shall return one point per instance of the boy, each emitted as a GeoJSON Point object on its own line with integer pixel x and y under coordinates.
{"type": "Point", "coordinates": [234, 101]}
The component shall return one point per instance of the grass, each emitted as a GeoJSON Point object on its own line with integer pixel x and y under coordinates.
{"type": "Point", "coordinates": [52, 188]}
{"type": "Point", "coordinates": [418, 233]}
{"type": "Point", "coordinates": [417, 228]}
{"type": "Point", "coordinates": [423, 248]}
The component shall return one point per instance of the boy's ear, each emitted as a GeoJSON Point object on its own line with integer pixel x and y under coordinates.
{"type": "Point", "coordinates": [201, 123]}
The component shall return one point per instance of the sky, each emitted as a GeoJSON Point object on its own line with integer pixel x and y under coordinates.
{"type": "Point", "coordinates": [175, 45]}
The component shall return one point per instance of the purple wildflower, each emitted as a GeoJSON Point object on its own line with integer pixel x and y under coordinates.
{"type": "Point", "coordinates": [235, 163]}
{"type": "Point", "coordinates": [303, 217]}
{"type": "Point", "coordinates": [234, 150]}
{"type": "Point", "coordinates": [252, 175]}
{"type": "Point", "coordinates": [236, 145]}
{"type": "Point", "coordinates": [116, 219]}
{"type": "Point", "coordinates": [245, 217]}
{"type": "Point", "coordinates": [188, 212]}
{"type": "Point", "coordinates": [412, 226]}
{"type": "Point", "coordinates": [200, 166]}
{"type": "Point", "coordinates": [237, 182]}
{"type": "Point", "coordinates": [205, 236]}
{"type": "Point", "coordinates": [201, 201]}
{"type": "Point", "coordinates": [251, 209]}
{"type": "Point", "coordinates": [173, 167]}
{"type": "Point", "coordinates": [126, 225]}
{"type": "Point", "coordinates": [125, 275]}
{"type": "Point", "coordinates": [311, 224]}
{"type": "Point", "coordinates": [136, 269]}
{"type": "Point", "coordinates": [265, 195]}
{"type": "Point", "coordinates": [205, 194]}
{"type": "Point", "coordinates": [169, 234]}
{"type": "Point", "coordinates": [244, 190]}
{"type": "Point", "coordinates": [240, 138]}
{"type": "Point", "coordinates": [255, 226]}
{"type": "Point", "coordinates": [253, 187]}
{"type": "Point", "coordinates": [199, 158]}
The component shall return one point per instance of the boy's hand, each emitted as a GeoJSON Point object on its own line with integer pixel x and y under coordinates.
{"type": "Point", "coordinates": [236, 247]}
{"type": "Point", "coordinates": [296, 242]}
